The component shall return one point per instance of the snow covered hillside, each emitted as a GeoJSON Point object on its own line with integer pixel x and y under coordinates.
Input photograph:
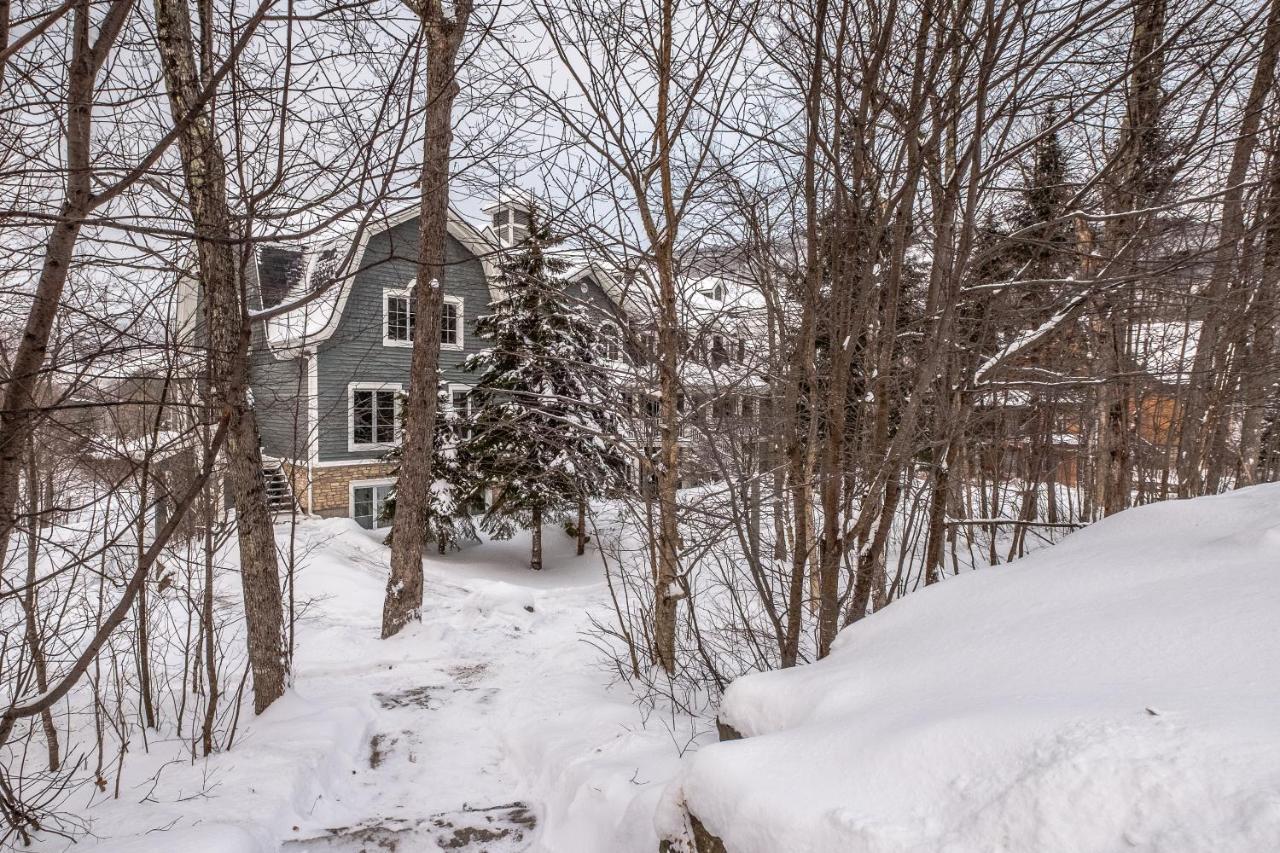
{"type": "Point", "coordinates": [1120, 690]}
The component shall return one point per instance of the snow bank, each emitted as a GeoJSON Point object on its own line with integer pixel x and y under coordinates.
{"type": "Point", "coordinates": [286, 764]}
{"type": "Point", "coordinates": [242, 801]}
{"type": "Point", "coordinates": [1119, 690]}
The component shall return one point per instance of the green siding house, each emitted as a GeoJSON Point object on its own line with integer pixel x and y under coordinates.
{"type": "Point", "coordinates": [333, 351]}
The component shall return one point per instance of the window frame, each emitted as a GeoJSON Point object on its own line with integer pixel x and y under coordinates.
{"type": "Point", "coordinates": [717, 351]}
{"type": "Point", "coordinates": [464, 430]}
{"type": "Point", "coordinates": [611, 337]}
{"type": "Point", "coordinates": [366, 484]}
{"type": "Point", "coordinates": [406, 293]}
{"type": "Point", "coordinates": [355, 446]}
{"type": "Point", "coordinates": [459, 304]}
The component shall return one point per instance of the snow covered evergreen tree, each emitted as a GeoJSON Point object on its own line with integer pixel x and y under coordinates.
{"type": "Point", "coordinates": [453, 487]}
{"type": "Point", "coordinates": [543, 436]}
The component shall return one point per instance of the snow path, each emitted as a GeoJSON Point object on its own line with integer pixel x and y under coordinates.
{"type": "Point", "coordinates": [461, 704]}
{"type": "Point", "coordinates": [489, 727]}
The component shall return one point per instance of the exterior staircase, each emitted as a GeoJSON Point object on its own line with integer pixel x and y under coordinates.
{"type": "Point", "coordinates": [280, 497]}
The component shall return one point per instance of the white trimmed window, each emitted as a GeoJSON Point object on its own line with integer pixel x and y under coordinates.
{"type": "Point", "coordinates": [373, 415]}
{"type": "Point", "coordinates": [451, 320]}
{"type": "Point", "coordinates": [611, 341]}
{"type": "Point", "coordinates": [368, 497]}
{"type": "Point", "coordinates": [399, 315]}
{"type": "Point", "coordinates": [460, 408]}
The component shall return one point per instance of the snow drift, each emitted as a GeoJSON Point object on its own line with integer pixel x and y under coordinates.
{"type": "Point", "coordinates": [1120, 690]}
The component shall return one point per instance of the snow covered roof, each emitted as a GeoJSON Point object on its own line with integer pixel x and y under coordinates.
{"type": "Point", "coordinates": [722, 301]}
{"type": "Point", "coordinates": [511, 196]}
{"type": "Point", "coordinates": [1166, 350]}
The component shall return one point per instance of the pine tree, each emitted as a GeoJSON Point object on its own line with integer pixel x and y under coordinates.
{"type": "Point", "coordinates": [542, 436]}
{"type": "Point", "coordinates": [1048, 241]}
{"type": "Point", "coordinates": [453, 486]}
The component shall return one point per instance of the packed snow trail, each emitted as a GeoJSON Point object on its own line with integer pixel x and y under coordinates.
{"type": "Point", "coordinates": [451, 698]}
{"type": "Point", "coordinates": [488, 727]}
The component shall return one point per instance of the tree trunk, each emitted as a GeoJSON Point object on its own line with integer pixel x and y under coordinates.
{"type": "Point", "coordinates": [221, 276]}
{"type": "Point", "coordinates": [667, 590]}
{"type": "Point", "coordinates": [871, 559]}
{"type": "Point", "coordinates": [31, 608]}
{"type": "Point", "coordinates": [582, 526]}
{"type": "Point", "coordinates": [403, 603]}
{"type": "Point", "coordinates": [140, 612]}
{"type": "Point", "coordinates": [1261, 374]}
{"type": "Point", "coordinates": [1194, 442]}
{"type": "Point", "coordinates": [207, 629]}
{"type": "Point", "coordinates": [1139, 184]}
{"type": "Point", "coordinates": [802, 381]}
{"type": "Point", "coordinates": [535, 555]}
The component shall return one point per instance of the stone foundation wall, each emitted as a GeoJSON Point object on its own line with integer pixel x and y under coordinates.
{"type": "Point", "coordinates": [331, 485]}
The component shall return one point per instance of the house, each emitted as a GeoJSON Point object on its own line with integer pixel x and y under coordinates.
{"type": "Point", "coordinates": [721, 371]}
{"type": "Point", "coordinates": [328, 369]}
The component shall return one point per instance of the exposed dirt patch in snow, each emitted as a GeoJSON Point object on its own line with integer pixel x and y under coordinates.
{"type": "Point", "coordinates": [493, 829]}
{"type": "Point", "coordinates": [414, 697]}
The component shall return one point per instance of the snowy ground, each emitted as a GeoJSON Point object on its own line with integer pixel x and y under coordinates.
{"type": "Point", "coordinates": [1116, 691]}
{"type": "Point", "coordinates": [1119, 691]}
{"type": "Point", "coordinates": [486, 727]}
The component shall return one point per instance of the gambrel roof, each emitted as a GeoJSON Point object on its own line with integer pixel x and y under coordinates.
{"type": "Point", "coordinates": [303, 291]}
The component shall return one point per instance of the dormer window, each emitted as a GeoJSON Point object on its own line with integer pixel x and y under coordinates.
{"type": "Point", "coordinates": [714, 293]}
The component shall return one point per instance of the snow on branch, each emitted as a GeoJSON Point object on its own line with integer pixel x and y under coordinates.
{"type": "Point", "coordinates": [1029, 338]}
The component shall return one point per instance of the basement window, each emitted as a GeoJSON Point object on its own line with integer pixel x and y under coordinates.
{"type": "Point", "coordinates": [368, 498]}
